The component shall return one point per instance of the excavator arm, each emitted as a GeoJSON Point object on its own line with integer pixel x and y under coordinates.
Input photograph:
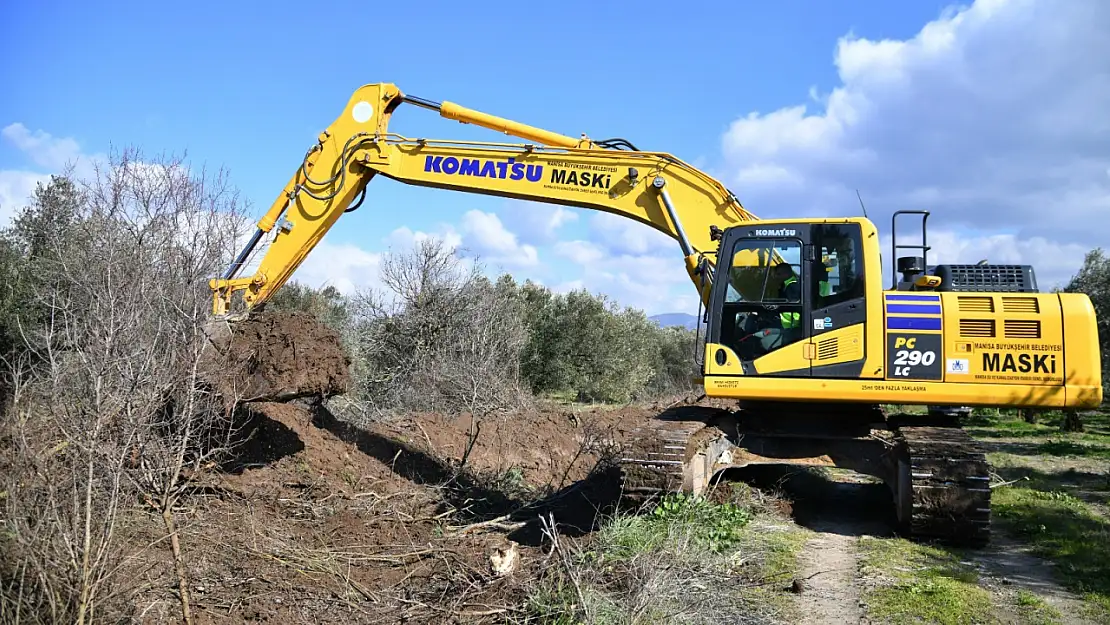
{"type": "Point", "coordinates": [653, 188]}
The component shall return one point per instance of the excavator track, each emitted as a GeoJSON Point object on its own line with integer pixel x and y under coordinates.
{"type": "Point", "coordinates": [669, 455]}
{"type": "Point", "coordinates": [938, 474]}
{"type": "Point", "coordinates": [948, 478]}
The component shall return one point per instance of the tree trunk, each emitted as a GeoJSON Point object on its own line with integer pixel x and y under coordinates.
{"type": "Point", "coordinates": [179, 566]}
{"type": "Point", "coordinates": [1072, 422]}
{"type": "Point", "coordinates": [1029, 415]}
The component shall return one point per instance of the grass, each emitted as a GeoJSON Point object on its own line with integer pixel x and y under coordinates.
{"type": "Point", "coordinates": [912, 582]}
{"type": "Point", "coordinates": [999, 424]}
{"type": "Point", "coordinates": [1035, 610]}
{"type": "Point", "coordinates": [688, 560]}
{"type": "Point", "coordinates": [1058, 500]}
{"type": "Point", "coordinates": [1066, 530]}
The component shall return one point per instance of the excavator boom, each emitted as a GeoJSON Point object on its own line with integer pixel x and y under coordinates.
{"type": "Point", "coordinates": [652, 188]}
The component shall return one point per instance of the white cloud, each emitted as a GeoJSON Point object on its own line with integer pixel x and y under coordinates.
{"type": "Point", "coordinates": [346, 267]}
{"type": "Point", "coordinates": [404, 238]}
{"type": "Point", "coordinates": [993, 117]}
{"type": "Point", "coordinates": [54, 154]}
{"type": "Point", "coordinates": [580, 252]}
{"type": "Point", "coordinates": [61, 155]}
{"type": "Point", "coordinates": [478, 234]}
{"type": "Point", "coordinates": [145, 180]}
{"type": "Point", "coordinates": [44, 149]}
{"type": "Point", "coordinates": [653, 283]}
{"type": "Point", "coordinates": [484, 234]}
{"type": "Point", "coordinates": [630, 262]}
{"type": "Point", "coordinates": [1054, 262]}
{"type": "Point", "coordinates": [16, 187]}
{"type": "Point", "coordinates": [536, 223]}
{"type": "Point", "coordinates": [621, 235]}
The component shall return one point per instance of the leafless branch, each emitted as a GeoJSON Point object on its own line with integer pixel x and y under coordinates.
{"type": "Point", "coordinates": [112, 406]}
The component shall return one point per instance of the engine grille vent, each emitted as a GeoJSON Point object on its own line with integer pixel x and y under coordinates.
{"type": "Point", "coordinates": [1021, 305]}
{"type": "Point", "coordinates": [1022, 329]}
{"type": "Point", "coordinates": [827, 349]}
{"type": "Point", "coordinates": [977, 328]}
{"type": "Point", "coordinates": [977, 304]}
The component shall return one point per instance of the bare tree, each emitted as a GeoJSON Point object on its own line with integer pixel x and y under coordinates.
{"type": "Point", "coordinates": [117, 381]}
{"type": "Point", "coordinates": [442, 337]}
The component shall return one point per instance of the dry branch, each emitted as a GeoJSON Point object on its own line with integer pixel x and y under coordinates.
{"type": "Point", "coordinates": [109, 383]}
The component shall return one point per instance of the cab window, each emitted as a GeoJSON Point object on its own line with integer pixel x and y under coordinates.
{"type": "Point", "coordinates": [765, 271]}
{"type": "Point", "coordinates": [839, 265]}
{"type": "Point", "coordinates": [762, 311]}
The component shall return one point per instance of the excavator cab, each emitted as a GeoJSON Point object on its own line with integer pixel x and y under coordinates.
{"type": "Point", "coordinates": [786, 286]}
{"type": "Point", "coordinates": [763, 297]}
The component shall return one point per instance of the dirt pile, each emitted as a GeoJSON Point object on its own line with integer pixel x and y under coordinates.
{"type": "Point", "coordinates": [276, 357]}
{"type": "Point", "coordinates": [319, 520]}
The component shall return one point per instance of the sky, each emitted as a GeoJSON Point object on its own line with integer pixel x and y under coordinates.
{"type": "Point", "coordinates": [992, 115]}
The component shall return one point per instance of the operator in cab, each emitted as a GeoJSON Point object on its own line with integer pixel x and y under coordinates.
{"type": "Point", "coordinates": [789, 291]}
{"type": "Point", "coordinates": [782, 288]}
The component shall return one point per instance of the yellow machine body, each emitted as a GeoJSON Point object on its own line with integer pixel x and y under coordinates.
{"type": "Point", "coordinates": [919, 346]}
{"type": "Point", "coordinates": [977, 355]}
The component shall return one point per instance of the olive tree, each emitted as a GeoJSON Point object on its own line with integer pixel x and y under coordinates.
{"type": "Point", "coordinates": [1093, 278]}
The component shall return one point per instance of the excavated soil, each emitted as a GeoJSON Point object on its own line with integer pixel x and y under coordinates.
{"type": "Point", "coordinates": [317, 520]}
{"type": "Point", "coordinates": [277, 356]}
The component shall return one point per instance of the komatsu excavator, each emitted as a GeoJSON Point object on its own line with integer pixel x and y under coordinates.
{"type": "Point", "coordinates": [799, 334]}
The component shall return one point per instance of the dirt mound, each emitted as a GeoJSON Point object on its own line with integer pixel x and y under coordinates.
{"type": "Point", "coordinates": [546, 448]}
{"type": "Point", "coordinates": [318, 518]}
{"type": "Point", "coordinates": [288, 446]}
{"type": "Point", "coordinates": [277, 357]}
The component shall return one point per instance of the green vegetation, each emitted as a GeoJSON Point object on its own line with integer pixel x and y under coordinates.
{"type": "Point", "coordinates": [1093, 278]}
{"type": "Point", "coordinates": [1035, 610]}
{"type": "Point", "coordinates": [444, 336]}
{"type": "Point", "coordinates": [668, 564]}
{"type": "Point", "coordinates": [710, 526]}
{"type": "Point", "coordinates": [1008, 424]}
{"type": "Point", "coordinates": [912, 582]}
{"type": "Point", "coordinates": [1056, 497]}
{"type": "Point", "coordinates": [1068, 531]}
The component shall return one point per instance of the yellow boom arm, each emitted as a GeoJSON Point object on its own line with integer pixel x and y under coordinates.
{"type": "Point", "coordinates": [652, 188]}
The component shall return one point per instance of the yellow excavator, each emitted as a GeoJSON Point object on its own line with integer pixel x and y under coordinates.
{"type": "Point", "coordinates": [798, 332]}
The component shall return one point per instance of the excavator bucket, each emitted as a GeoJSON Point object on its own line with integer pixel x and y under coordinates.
{"type": "Point", "coordinates": [273, 356]}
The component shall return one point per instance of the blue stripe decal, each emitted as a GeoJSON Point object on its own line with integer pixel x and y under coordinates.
{"type": "Point", "coordinates": [913, 323]}
{"type": "Point", "coordinates": [914, 298]}
{"type": "Point", "coordinates": [929, 309]}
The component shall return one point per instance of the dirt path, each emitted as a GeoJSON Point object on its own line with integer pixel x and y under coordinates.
{"type": "Point", "coordinates": [830, 565]}
{"type": "Point", "coordinates": [838, 510]}
{"type": "Point", "coordinates": [1007, 568]}
{"type": "Point", "coordinates": [829, 569]}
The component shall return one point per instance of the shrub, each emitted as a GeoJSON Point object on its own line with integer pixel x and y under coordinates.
{"type": "Point", "coordinates": [440, 337]}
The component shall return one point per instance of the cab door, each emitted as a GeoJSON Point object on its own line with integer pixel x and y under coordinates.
{"type": "Point", "coordinates": [759, 306]}
{"type": "Point", "coordinates": [837, 299]}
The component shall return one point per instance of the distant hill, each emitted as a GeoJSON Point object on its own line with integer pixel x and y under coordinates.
{"type": "Point", "coordinates": [686, 320]}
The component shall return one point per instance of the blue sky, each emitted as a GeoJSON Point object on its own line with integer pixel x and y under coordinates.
{"type": "Point", "coordinates": [250, 85]}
